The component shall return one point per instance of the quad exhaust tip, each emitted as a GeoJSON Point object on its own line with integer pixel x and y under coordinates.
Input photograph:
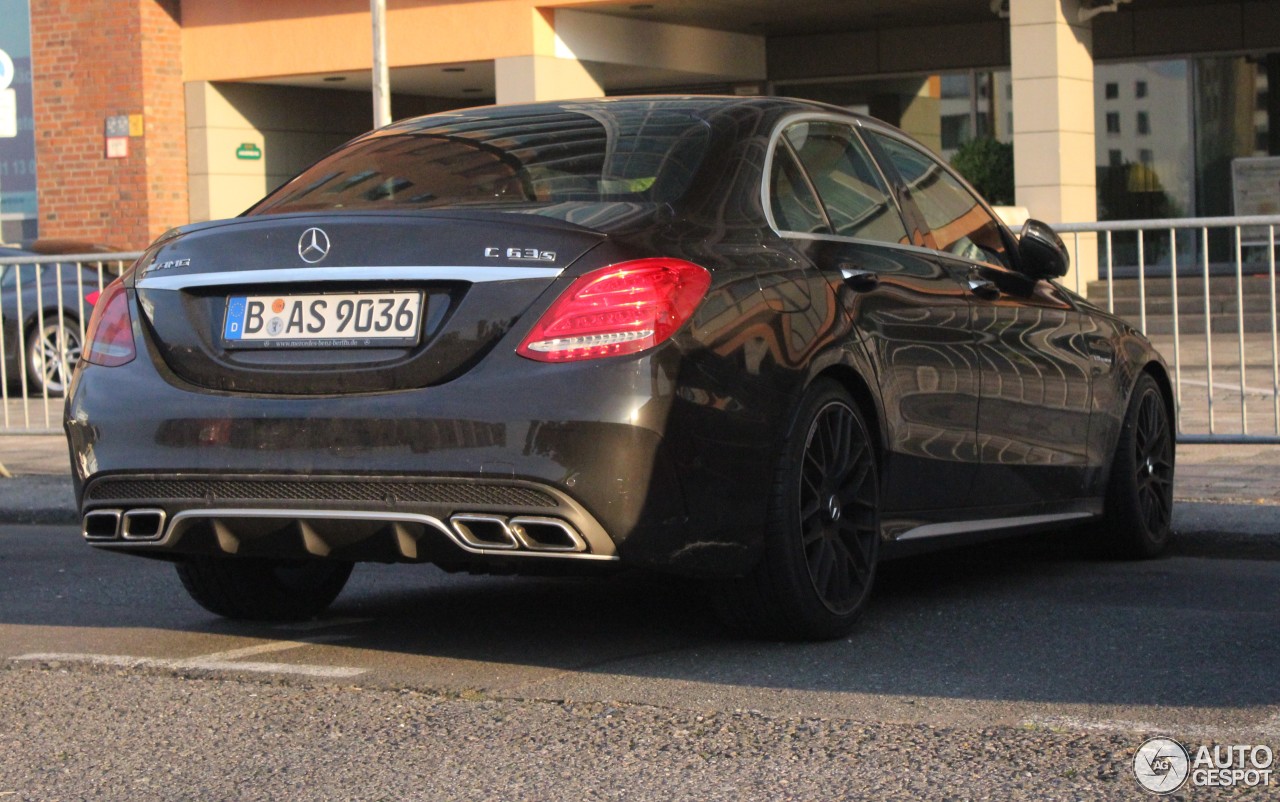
{"type": "Point", "coordinates": [135, 525]}
{"type": "Point", "coordinates": [101, 525]}
{"type": "Point", "coordinates": [144, 524]}
{"type": "Point", "coordinates": [487, 532]}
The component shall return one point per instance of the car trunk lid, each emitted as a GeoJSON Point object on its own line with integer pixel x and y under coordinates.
{"type": "Point", "coordinates": [462, 280]}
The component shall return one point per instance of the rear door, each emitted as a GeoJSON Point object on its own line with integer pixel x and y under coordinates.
{"type": "Point", "coordinates": [911, 311]}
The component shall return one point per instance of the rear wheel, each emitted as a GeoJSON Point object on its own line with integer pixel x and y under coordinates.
{"type": "Point", "coordinates": [822, 543]}
{"type": "Point", "coordinates": [263, 590]}
{"type": "Point", "coordinates": [52, 353]}
{"type": "Point", "coordinates": [1140, 490]}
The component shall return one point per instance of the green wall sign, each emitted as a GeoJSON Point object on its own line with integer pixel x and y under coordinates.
{"type": "Point", "coordinates": [250, 151]}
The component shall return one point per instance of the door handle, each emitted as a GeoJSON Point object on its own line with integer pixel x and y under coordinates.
{"type": "Point", "coordinates": [859, 280]}
{"type": "Point", "coordinates": [984, 288]}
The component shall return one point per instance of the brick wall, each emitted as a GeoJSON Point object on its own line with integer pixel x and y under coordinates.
{"type": "Point", "coordinates": [92, 59]}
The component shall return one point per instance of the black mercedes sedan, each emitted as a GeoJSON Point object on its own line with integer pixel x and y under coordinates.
{"type": "Point", "coordinates": [757, 341]}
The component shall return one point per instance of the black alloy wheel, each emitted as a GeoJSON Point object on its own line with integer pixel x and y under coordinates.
{"type": "Point", "coordinates": [1140, 492]}
{"type": "Point", "coordinates": [822, 544]}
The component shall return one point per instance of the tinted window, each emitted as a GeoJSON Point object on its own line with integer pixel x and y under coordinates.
{"type": "Point", "coordinates": [792, 201]}
{"type": "Point", "coordinates": [631, 152]}
{"type": "Point", "coordinates": [855, 198]}
{"type": "Point", "coordinates": [959, 223]}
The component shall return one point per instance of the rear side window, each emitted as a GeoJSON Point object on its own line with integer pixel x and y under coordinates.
{"type": "Point", "coordinates": [852, 193]}
{"type": "Point", "coordinates": [959, 222]}
{"type": "Point", "coordinates": [792, 201]}
{"type": "Point", "coordinates": [630, 152]}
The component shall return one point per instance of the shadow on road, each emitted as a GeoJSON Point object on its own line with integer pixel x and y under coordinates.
{"type": "Point", "coordinates": [1022, 620]}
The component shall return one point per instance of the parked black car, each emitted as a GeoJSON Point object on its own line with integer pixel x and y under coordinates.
{"type": "Point", "coordinates": [755, 340]}
{"type": "Point", "coordinates": [42, 318]}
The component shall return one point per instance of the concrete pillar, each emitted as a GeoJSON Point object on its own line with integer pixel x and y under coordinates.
{"type": "Point", "coordinates": [1051, 51]}
{"type": "Point", "coordinates": [523, 79]}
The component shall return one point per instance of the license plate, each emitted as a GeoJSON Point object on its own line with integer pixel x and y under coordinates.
{"type": "Point", "coordinates": [329, 320]}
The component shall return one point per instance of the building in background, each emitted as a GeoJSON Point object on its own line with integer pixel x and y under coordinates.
{"type": "Point", "coordinates": [152, 113]}
{"type": "Point", "coordinates": [17, 137]}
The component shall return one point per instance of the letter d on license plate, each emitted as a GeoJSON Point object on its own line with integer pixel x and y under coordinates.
{"type": "Point", "coordinates": [328, 320]}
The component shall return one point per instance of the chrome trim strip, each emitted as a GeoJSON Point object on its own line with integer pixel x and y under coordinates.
{"type": "Point", "coordinates": [960, 527]}
{"type": "Point", "coordinates": [351, 515]}
{"type": "Point", "coordinates": [476, 274]}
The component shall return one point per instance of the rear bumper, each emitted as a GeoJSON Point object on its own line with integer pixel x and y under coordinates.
{"type": "Point", "coordinates": [578, 449]}
{"type": "Point", "coordinates": [383, 519]}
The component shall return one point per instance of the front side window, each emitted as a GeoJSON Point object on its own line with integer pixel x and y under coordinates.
{"type": "Point", "coordinates": [851, 190]}
{"type": "Point", "coordinates": [959, 222]}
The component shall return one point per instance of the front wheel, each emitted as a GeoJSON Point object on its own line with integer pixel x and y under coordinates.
{"type": "Point", "coordinates": [263, 590]}
{"type": "Point", "coordinates": [823, 536]}
{"type": "Point", "coordinates": [1139, 503]}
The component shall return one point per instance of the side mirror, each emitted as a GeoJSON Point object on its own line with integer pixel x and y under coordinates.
{"type": "Point", "coordinates": [1041, 252]}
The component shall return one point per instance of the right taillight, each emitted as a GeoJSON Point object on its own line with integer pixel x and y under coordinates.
{"type": "Point", "coordinates": [617, 310]}
{"type": "Point", "coordinates": [109, 340]}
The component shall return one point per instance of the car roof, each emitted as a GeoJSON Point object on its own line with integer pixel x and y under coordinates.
{"type": "Point", "coordinates": [696, 104]}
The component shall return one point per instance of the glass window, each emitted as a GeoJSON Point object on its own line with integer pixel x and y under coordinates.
{"type": "Point", "coordinates": [856, 201]}
{"type": "Point", "coordinates": [623, 151]}
{"type": "Point", "coordinates": [1113, 122]}
{"type": "Point", "coordinates": [1144, 123]}
{"type": "Point", "coordinates": [1113, 90]}
{"type": "Point", "coordinates": [1140, 89]}
{"type": "Point", "coordinates": [1115, 158]}
{"type": "Point", "coordinates": [791, 199]}
{"type": "Point", "coordinates": [959, 223]}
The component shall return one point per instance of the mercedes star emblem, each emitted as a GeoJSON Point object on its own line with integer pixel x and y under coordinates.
{"type": "Point", "coordinates": [313, 245]}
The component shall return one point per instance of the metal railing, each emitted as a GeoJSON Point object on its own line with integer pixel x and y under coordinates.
{"type": "Point", "coordinates": [45, 303]}
{"type": "Point", "coordinates": [1172, 278]}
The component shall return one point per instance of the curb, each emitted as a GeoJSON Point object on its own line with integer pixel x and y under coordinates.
{"type": "Point", "coordinates": [37, 500]}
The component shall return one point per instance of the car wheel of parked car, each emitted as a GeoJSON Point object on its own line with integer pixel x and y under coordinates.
{"type": "Point", "coordinates": [822, 542]}
{"type": "Point", "coordinates": [1140, 494]}
{"type": "Point", "coordinates": [263, 590]}
{"type": "Point", "coordinates": [52, 353]}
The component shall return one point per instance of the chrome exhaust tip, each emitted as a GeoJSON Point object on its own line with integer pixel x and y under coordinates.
{"type": "Point", "coordinates": [142, 524]}
{"type": "Point", "coordinates": [100, 525]}
{"type": "Point", "coordinates": [546, 534]}
{"type": "Point", "coordinates": [487, 532]}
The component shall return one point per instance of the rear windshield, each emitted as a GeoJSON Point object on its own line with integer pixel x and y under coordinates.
{"type": "Point", "coordinates": [592, 153]}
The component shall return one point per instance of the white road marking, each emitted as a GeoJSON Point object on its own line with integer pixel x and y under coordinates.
{"type": "Point", "coordinates": [217, 661]}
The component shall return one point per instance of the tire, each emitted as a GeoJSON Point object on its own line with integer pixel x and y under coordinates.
{"type": "Point", "coordinates": [52, 353]}
{"type": "Point", "coordinates": [1139, 502]}
{"type": "Point", "coordinates": [263, 590]}
{"type": "Point", "coordinates": [823, 531]}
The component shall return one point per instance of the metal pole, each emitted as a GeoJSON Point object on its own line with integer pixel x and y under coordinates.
{"type": "Point", "coordinates": [381, 77]}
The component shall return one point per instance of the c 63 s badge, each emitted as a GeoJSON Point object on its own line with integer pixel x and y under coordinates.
{"type": "Point", "coordinates": [520, 254]}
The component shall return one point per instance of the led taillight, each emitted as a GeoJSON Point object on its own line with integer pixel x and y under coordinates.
{"type": "Point", "coordinates": [617, 310]}
{"type": "Point", "coordinates": [109, 340]}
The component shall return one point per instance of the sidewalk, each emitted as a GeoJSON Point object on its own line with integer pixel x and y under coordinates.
{"type": "Point", "coordinates": [40, 490]}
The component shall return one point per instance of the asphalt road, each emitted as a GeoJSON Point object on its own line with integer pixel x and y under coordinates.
{"type": "Point", "coordinates": [1010, 671]}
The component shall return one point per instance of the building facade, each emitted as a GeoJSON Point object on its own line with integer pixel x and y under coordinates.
{"type": "Point", "coordinates": [1115, 108]}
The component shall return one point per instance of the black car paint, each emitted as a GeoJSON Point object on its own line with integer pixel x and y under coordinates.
{"type": "Point", "coordinates": [672, 450]}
